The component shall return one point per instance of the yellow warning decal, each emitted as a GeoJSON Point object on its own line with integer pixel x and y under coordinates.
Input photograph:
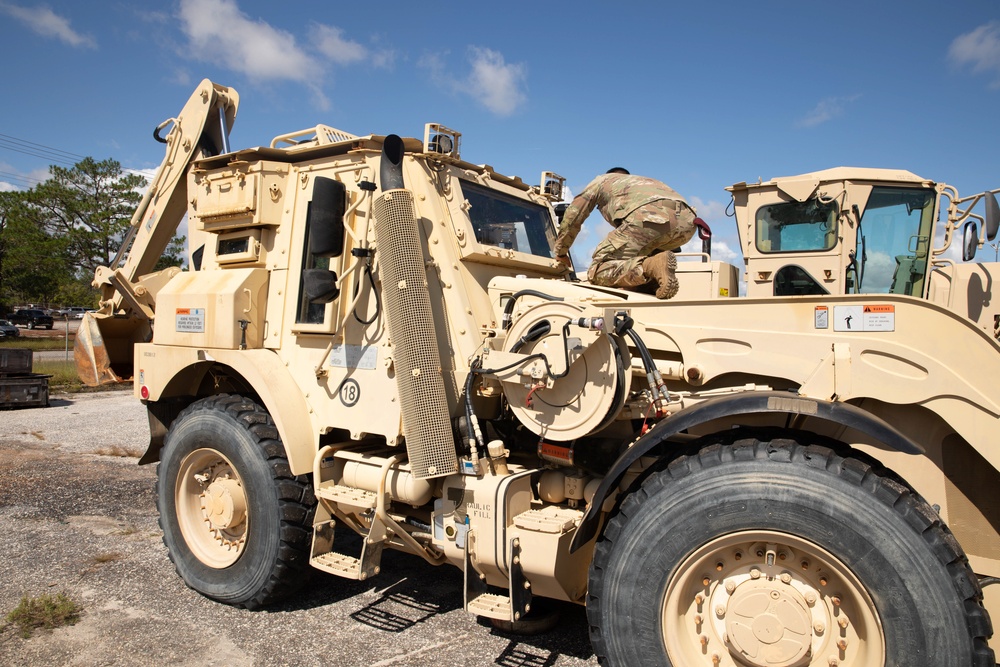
{"type": "Point", "coordinates": [881, 308]}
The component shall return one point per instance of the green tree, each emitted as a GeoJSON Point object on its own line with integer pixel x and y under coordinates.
{"type": "Point", "coordinates": [33, 264]}
{"type": "Point", "coordinates": [53, 236]}
{"type": "Point", "coordinates": [89, 205]}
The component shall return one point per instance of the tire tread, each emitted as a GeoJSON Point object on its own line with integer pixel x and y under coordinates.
{"type": "Point", "coordinates": [880, 484]}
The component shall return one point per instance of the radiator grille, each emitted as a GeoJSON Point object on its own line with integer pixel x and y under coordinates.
{"type": "Point", "coordinates": [429, 441]}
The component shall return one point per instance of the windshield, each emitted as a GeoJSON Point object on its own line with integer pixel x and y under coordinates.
{"type": "Point", "coordinates": [895, 240]}
{"type": "Point", "coordinates": [796, 227]}
{"type": "Point", "coordinates": [507, 222]}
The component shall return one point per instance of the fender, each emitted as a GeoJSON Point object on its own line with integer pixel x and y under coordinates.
{"type": "Point", "coordinates": [266, 373]}
{"type": "Point", "coordinates": [263, 370]}
{"type": "Point", "coordinates": [738, 404]}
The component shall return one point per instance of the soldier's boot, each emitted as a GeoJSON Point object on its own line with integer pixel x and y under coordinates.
{"type": "Point", "coordinates": [662, 268]}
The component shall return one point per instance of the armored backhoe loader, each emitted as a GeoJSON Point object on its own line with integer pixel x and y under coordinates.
{"type": "Point", "coordinates": [372, 336]}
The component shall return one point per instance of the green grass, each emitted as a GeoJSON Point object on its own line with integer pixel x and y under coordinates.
{"type": "Point", "coordinates": [45, 611]}
{"type": "Point", "coordinates": [64, 377]}
{"type": "Point", "coordinates": [37, 344]}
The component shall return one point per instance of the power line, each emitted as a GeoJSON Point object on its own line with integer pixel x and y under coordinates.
{"type": "Point", "coordinates": [44, 156]}
{"type": "Point", "coordinates": [41, 146]}
{"type": "Point", "coordinates": [20, 177]}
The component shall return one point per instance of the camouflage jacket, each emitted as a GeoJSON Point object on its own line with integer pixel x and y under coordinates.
{"type": "Point", "coordinates": [615, 195]}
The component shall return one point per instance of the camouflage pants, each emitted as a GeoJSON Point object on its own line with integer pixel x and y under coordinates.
{"type": "Point", "coordinates": [661, 225]}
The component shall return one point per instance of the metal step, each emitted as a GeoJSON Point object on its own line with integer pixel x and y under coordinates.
{"type": "Point", "coordinates": [347, 495]}
{"type": "Point", "coordinates": [491, 605]}
{"type": "Point", "coordinates": [323, 557]}
{"type": "Point", "coordinates": [341, 565]}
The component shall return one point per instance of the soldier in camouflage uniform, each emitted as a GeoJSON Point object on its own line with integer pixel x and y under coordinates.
{"type": "Point", "coordinates": [650, 219]}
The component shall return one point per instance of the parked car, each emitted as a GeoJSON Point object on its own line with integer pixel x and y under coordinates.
{"type": "Point", "coordinates": [74, 312]}
{"type": "Point", "coordinates": [8, 330]}
{"type": "Point", "coordinates": [31, 318]}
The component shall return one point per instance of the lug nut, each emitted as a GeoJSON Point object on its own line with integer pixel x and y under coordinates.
{"type": "Point", "coordinates": [822, 581]}
{"type": "Point", "coordinates": [819, 628]}
{"type": "Point", "coordinates": [705, 581]}
{"type": "Point", "coordinates": [810, 598]}
{"type": "Point", "coordinates": [720, 611]}
{"type": "Point", "coordinates": [730, 587]}
{"type": "Point", "coordinates": [842, 644]}
{"type": "Point", "coordinates": [719, 566]}
{"type": "Point", "coordinates": [698, 599]}
{"type": "Point", "coordinates": [755, 573]}
{"type": "Point", "coordinates": [786, 578]}
{"type": "Point", "coordinates": [843, 622]}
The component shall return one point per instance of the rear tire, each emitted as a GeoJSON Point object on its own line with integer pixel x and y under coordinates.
{"type": "Point", "coordinates": [682, 574]}
{"type": "Point", "coordinates": [236, 522]}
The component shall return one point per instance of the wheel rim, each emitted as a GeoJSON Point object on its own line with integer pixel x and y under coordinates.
{"type": "Point", "coordinates": [211, 508]}
{"type": "Point", "coordinates": [763, 599]}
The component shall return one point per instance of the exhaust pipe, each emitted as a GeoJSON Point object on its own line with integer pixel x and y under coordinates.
{"type": "Point", "coordinates": [430, 444]}
{"type": "Point", "coordinates": [391, 169]}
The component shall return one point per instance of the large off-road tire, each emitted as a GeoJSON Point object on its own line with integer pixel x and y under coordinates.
{"type": "Point", "coordinates": [236, 522]}
{"type": "Point", "coordinates": [776, 553]}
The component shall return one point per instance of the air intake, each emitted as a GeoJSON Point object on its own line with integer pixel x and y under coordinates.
{"type": "Point", "coordinates": [429, 441]}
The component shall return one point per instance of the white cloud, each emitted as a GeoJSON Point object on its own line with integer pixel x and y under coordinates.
{"type": "Point", "coordinates": [330, 42]}
{"type": "Point", "coordinates": [220, 33]}
{"type": "Point", "coordinates": [827, 109]}
{"type": "Point", "coordinates": [980, 49]}
{"type": "Point", "coordinates": [47, 23]}
{"type": "Point", "coordinates": [492, 82]}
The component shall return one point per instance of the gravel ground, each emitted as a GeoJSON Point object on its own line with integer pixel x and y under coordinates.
{"type": "Point", "coordinates": [77, 521]}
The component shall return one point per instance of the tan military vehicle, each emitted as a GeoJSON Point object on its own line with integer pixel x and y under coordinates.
{"type": "Point", "coordinates": [373, 336]}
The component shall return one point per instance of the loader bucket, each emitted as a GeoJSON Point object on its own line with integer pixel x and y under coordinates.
{"type": "Point", "coordinates": [103, 347]}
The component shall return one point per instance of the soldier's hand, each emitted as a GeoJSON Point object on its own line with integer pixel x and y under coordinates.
{"type": "Point", "coordinates": [565, 261]}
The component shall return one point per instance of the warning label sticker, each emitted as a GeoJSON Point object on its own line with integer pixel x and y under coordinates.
{"type": "Point", "coordinates": [190, 320]}
{"type": "Point", "coordinates": [354, 356]}
{"type": "Point", "coordinates": [869, 317]}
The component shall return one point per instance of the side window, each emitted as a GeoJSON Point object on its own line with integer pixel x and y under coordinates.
{"type": "Point", "coordinates": [796, 227]}
{"type": "Point", "coordinates": [308, 312]}
{"type": "Point", "coordinates": [895, 241]}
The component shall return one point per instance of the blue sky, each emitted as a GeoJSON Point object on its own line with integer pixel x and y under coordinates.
{"type": "Point", "coordinates": [699, 95]}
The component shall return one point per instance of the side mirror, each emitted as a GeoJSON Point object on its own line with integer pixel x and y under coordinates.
{"type": "Point", "coordinates": [320, 285]}
{"type": "Point", "coordinates": [992, 219]}
{"type": "Point", "coordinates": [326, 217]}
{"type": "Point", "coordinates": [970, 241]}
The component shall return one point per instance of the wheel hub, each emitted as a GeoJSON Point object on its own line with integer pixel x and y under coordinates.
{"type": "Point", "coordinates": [767, 624]}
{"type": "Point", "coordinates": [767, 599]}
{"type": "Point", "coordinates": [224, 504]}
{"type": "Point", "coordinates": [212, 509]}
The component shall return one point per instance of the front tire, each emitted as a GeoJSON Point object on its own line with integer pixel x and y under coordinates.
{"type": "Point", "coordinates": [235, 521]}
{"type": "Point", "coordinates": [775, 553]}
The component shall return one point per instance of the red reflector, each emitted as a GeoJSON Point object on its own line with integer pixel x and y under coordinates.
{"type": "Point", "coordinates": [144, 392]}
